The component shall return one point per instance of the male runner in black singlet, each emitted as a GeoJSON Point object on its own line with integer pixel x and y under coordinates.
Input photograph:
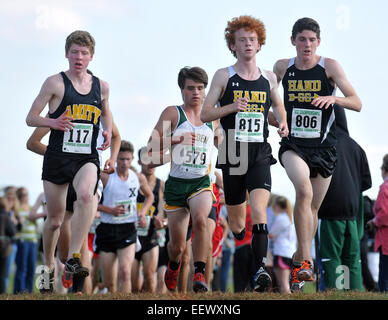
{"type": "Point", "coordinates": [308, 154]}
{"type": "Point", "coordinates": [78, 101]}
{"type": "Point", "coordinates": [245, 94]}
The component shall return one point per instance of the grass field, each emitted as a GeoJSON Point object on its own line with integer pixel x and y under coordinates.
{"type": "Point", "coordinates": [328, 295]}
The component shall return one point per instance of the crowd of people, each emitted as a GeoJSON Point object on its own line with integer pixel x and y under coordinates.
{"type": "Point", "coordinates": [108, 227]}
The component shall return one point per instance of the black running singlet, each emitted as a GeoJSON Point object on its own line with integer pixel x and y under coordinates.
{"type": "Point", "coordinates": [308, 125]}
{"type": "Point", "coordinates": [86, 111]}
{"type": "Point", "coordinates": [154, 208]}
{"type": "Point", "coordinates": [249, 126]}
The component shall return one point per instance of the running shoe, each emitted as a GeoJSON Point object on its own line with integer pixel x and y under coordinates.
{"type": "Point", "coordinates": [305, 272]}
{"type": "Point", "coordinates": [262, 280]}
{"type": "Point", "coordinates": [296, 285]}
{"type": "Point", "coordinates": [199, 283]}
{"type": "Point", "coordinates": [46, 281]}
{"type": "Point", "coordinates": [171, 277]}
{"type": "Point", "coordinates": [73, 266]}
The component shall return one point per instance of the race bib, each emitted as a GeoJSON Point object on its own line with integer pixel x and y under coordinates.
{"type": "Point", "coordinates": [306, 123]}
{"type": "Point", "coordinates": [142, 232]}
{"type": "Point", "coordinates": [195, 159]}
{"type": "Point", "coordinates": [249, 127]}
{"type": "Point", "coordinates": [78, 139]}
{"type": "Point", "coordinates": [128, 206]}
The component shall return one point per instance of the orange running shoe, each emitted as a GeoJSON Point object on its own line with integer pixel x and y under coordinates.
{"type": "Point", "coordinates": [305, 272]}
{"type": "Point", "coordinates": [199, 283]}
{"type": "Point", "coordinates": [171, 277]}
{"type": "Point", "coordinates": [295, 284]}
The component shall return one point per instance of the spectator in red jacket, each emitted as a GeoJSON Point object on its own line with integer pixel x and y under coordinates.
{"type": "Point", "coordinates": [380, 221]}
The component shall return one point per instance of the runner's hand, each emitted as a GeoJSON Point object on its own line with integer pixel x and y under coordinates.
{"type": "Point", "coordinates": [63, 122]}
{"type": "Point", "coordinates": [323, 102]}
{"type": "Point", "coordinates": [118, 210]}
{"type": "Point", "coordinates": [283, 130]}
{"type": "Point", "coordinates": [109, 167]}
{"type": "Point", "coordinates": [158, 223]}
{"type": "Point", "coordinates": [142, 220]}
{"type": "Point", "coordinates": [239, 105]}
{"type": "Point", "coordinates": [107, 138]}
{"type": "Point", "coordinates": [187, 138]}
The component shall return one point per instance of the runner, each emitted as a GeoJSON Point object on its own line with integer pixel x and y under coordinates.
{"type": "Point", "coordinates": [148, 237]}
{"type": "Point", "coordinates": [188, 190]}
{"type": "Point", "coordinates": [77, 102]}
{"type": "Point", "coordinates": [245, 94]}
{"type": "Point", "coordinates": [116, 234]}
{"type": "Point", "coordinates": [308, 154]}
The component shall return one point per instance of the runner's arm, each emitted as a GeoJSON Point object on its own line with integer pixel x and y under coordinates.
{"type": "Point", "coordinates": [351, 100]}
{"type": "Point", "coordinates": [34, 119]}
{"type": "Point", "coordinates": [34, 143]}
{"type": "Point", "coordinates": [209, 110]}
{"type": "Point", "coordinates": [106, 116]}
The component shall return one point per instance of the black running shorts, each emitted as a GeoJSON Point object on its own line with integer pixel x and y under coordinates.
{"type": "Point", "coordinates": [319, 160]}
{"type": "Point", "coordinates": [111, 237]}
{"type": "Point", "coordinates": [61, 169]}
{"type": "Point", "coordinates": [236, 186]}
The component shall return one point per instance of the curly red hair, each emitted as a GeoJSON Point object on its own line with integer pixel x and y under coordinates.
{"type": "Point", "coordinates": [249, 23]}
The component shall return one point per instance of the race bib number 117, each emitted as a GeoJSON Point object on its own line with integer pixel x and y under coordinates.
{"type": "Point", "coordinates": [78, 139]}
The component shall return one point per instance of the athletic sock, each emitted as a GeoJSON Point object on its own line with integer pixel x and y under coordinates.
{"type": "Point", "coordinates": [259, 244]}
{"type": "Point", "coordinates": [174, 265]}
{"type": "Point", "coordinates": [78, 283]}
{"type": "Point", "coordinates": [239, 236]}
{"type": "Point", "coordinates": [199, 266]}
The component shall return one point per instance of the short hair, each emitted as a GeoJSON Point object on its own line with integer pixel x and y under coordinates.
{"type": "Point", "coordinates": [249, 23]}
{"type": "Point", "coordinates": [306, 24]}
{"type": "Point", "coordinates": [196, 74]}
{"type": "Point", "coordinates": [82, 38]}
{"type": "Point", "coordinates": [126, 146]}
{"type": "Point", "coordinates": [385, 163]}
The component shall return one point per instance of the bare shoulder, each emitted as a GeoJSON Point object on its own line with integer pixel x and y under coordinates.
{"type": "Point", "coordinates": [270, 75]}
{"type": "Point", "coordinates": [169, 113]}
{"type": "Point", "coordinates": [104, 87]}
{"type": "Point", "coordinates": [280, 67]}
{"type": "Point", "coordinates": [332, 65]}
{"type": "Point", "coordinates": [141, 177]}
{"type": "Point", "coordinates": [53, 83]}
{"type": "Point", "coordinates": [221, 75]}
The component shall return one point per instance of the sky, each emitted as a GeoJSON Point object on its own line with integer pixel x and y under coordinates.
{"type": "Point", "coordinates": [142, 45]}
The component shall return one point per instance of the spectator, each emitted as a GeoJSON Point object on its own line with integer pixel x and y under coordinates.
{"type": "Point", "coordinates": [368, 281]}
{"type": "Point", "coordinates": [339, 233]}
{"type": "Point", "coordinates": [27, 242]}
{"type": "Point", "coordinates": [283, 236]}
{"type": "Point", "coordinates": [380, 221]}
{"type": "Point", "coordinates": [7, 231]}
{"type": "Point", "coordinates": [13, 211]}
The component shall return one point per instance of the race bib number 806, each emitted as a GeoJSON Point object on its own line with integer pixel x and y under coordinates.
{"type": "Point", "coordinates": [306, 123]}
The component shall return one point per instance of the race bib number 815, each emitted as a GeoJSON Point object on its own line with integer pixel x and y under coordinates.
{"type": "Point", "coordinates": [249, 127]}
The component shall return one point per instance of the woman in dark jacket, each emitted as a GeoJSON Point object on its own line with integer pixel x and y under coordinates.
{"type": "Point", "coordinates": [7, 231]}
